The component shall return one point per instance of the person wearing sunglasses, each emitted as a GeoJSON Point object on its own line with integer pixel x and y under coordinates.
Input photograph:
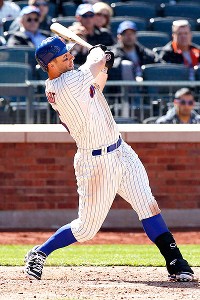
{"type": "Point", "coordinates": [45, 18]}
{"type": "Point", "coordinates": [183, 111]}
{"type": "Point", "coordinates": [86, 28]}
{"type": "Point", "coordinates": [29, 33]}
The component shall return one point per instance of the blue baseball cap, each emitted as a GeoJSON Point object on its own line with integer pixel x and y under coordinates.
{"type": "Point", "coordinates": [126, 25]}
{"type": "Point", "coordinates": [84, 8]}
{"type": "Point", "coordinates": [28, 10]}
{"type": "Point", "coordinates": [49, 49]}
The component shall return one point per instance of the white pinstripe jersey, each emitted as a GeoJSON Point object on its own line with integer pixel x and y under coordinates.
{"type": "Point", "coordinates": [82, 109]}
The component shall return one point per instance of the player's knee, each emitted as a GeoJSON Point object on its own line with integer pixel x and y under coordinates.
{"type": "Point", "coordinates": [151, 209]}
{"type": "Point", "coordinates": [82, 232]}
{"type": "Point", "coordinates": [83, 236]}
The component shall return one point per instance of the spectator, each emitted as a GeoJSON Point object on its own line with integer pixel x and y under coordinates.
{"type": "Point", "coordinates": [45, 19]}
{"type": "Point", "coordinates": [9, 10]}
{"type": "Point", "coordinates": [29, 33]}
{"type": "Point", "coordinates": [183, 110]}
{"type": "Point", "coordinates": [181, 50]}
{"type": "Point", "coordinates": [129, 54]}
{"type": "Point", "coordinates": [103, 13]}
{"type": "Point", "coordinates": [85, 27]}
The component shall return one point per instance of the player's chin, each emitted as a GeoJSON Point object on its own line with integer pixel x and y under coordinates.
{"type": "Point", "coordinates": [71, 67]}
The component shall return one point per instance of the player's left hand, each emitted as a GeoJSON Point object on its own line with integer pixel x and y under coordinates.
{"type": "Point", "coordinates": [109, 59]}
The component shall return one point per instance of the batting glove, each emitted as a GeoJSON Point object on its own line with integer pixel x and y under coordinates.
{"type": "Point", "coordinates": [109, 59]}
{"type": "Point", "coordinates": [103, 47]}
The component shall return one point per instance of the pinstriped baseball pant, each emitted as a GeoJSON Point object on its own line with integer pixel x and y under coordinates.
{"type": "Point", "coordinates": [100, 178]}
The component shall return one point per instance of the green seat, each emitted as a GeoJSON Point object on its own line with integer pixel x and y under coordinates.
{"type": "Point", "coordinates": [152, 39]}
{"type": "Point", "coordinates": [164, 72]}
{"type": "Point", "coordinates": [164, 24]}
{"type": "Point", "coordinates": [18, 93]}
{"type": "Point", "coordinates": [22, 3]}
{"type": "Point", "coordinates": [68, 9]}
{"type": "Point", "coordinates": [15, 72]}
{"type": "Point", "coordinates": [19, 54]}
{"type": "Point", "coordinates": [65, 21]}
{"type": "Point", "coordinates": [134, 9]}
{"type": "Point", "coordinates": [196, 37]}
{"type": "Point", "coordinates": [185, 10]}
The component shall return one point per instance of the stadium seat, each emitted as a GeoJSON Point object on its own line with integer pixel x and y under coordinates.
{"type": "Point", "coordinates": [110, 1]}
{"type": "Point", "coordinates": [197, 73]}
{"type": "Point", "coordinates": [15, 72]}
{"type": "Point", "coordinates": [22, 3]}
{"type": "Point", "coordinates": [53, 10]}
{"type": "Point", "coordinates": [13, 55]}
{"type": "Point", "coordinates": [156, 2]}
{"type": "Point", "coordinates": [115, 21]}
{"type": "Point", "coordinates": [134, 9]}
{"type": "Point", "coordinates": [193, 1]}
{"type": "Point", "coordinates": [65, 21]}
{"type": "Point", "coordinates": [164, 24]}
{"type": "Point", "coordinates": [68, 9]}
{"type": "Point", "coordinates": [123, 120]}
{"type": "Point", "coordinates": [152, 39]}
{"type": "Point", "coordinates": [196, 37]}
{"type": "Point", "coordinates": [186, 10]}
{"type": "Point", "coordinates": [164, 72]}
{"type": "Point", "coordinates": [19, 96]}
{"type": "Point", "coordinates": [19, 54]}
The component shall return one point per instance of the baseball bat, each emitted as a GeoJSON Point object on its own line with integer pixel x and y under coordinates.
{"type": "Point", "coordinates": [67, 34]}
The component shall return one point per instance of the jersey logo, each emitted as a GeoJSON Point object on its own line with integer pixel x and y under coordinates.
{"type": "Point", "coordinates": [51, 97]}
{"type": "Point", "coordinates": [92, 91]}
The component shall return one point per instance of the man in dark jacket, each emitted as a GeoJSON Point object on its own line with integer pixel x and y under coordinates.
{"type": "Point", "coordinates": [129, 54]}
{"type": "Point", "coordinates": [181, 50]}
{"type": "Point", "coordinates": [183, 110]}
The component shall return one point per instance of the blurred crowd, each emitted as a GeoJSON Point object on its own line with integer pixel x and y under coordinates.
{"type": "Point", "coordinates": [27, 23]}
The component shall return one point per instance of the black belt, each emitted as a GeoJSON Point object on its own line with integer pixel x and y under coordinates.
{"type": "Point", "coordinates": [107, 149]}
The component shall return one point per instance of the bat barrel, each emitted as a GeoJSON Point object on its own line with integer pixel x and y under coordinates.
{"type": "Point", "coordinates": [67, 34]}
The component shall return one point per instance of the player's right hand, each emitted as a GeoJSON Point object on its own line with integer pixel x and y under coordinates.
{"type": "Point", "coordinates": [103, 47]}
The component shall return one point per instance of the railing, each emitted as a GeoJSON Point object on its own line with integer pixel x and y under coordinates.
{"type": "Point", "coordinates": [129, 101]}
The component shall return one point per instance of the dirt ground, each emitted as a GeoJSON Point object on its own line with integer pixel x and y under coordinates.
{"type": "Point", "coordinates": [91, 283]}
{"type": "Point", "coordinates": [102, 237]}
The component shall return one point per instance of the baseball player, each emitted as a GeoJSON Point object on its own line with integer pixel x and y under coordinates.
{"type": "Point", "coordinates": [104, 164]}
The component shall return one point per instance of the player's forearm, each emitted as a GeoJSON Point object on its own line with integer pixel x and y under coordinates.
{"type": "Point", "coordinates": [101, 78]}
